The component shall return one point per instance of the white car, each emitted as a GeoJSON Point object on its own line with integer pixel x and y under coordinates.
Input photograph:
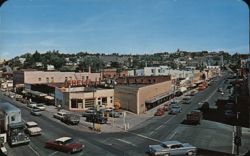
{"type": "Point", "coordinates": [40, 106]}
{"type": "Point", "coordinates": [172, 148]}
{"type": "Point", "coordinates": [32, 105]}
{"type": "Point", "coordinates": [59, 115]}
{"type": "Point", "coordinates": [32, 128]}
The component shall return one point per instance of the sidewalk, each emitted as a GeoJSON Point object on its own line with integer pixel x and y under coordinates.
{"type": "Point", "coordinates": [117, 124]}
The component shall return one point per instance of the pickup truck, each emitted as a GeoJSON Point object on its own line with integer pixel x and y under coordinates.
{"type": "Point", "coordinates": [59, 115]}
{"type": "Point", "coordinates": [168, 148]}
{"type": "Point", "coordinates": [194, 117]}
{"type": "Point", "coordinates": [32, 128]}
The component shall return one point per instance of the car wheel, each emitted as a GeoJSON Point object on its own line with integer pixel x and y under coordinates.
{"type": "Point", "coordinates": [190, 153]}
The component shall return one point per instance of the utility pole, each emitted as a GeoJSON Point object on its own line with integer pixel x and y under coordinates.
{"type": "Point", "coordinates": [94, 110]}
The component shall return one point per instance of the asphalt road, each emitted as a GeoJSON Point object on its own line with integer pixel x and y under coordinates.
{"type": "Point", "coordinates": [133, 142]}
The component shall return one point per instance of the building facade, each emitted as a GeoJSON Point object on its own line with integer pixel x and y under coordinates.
{"type": "Point", "coordinates": [82, 98]}
{"type": "Point", "coordinates": [44, 77]}
{"type": "Point", "coordinates": [133, 97]}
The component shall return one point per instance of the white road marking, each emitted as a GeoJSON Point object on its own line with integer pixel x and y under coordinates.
{"type": "Point", "coordinates": [34, 150]}
{"type": "Point", "coordinates": [159, 127]}
{"type": "Point", "coordinates": [172, 135]}
{"type": "Point", "coordinates": [127, 142]}
{"type": "Point", "coordinates": [53, 153]}
{"type": "Point", "coordinates": [145, 137]}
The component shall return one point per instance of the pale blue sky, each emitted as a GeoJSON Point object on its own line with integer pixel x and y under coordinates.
{"type": "Point", "coordinates": [123, 26]}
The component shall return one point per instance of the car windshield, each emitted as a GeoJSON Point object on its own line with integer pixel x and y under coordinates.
{"type": "Point", "coordinates": [164, 146]}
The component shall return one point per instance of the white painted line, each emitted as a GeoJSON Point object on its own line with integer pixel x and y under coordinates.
{"type": "Point", "coordinates": [159, 127]}
{"type": "Point", "coordinates": [169, 119]}
{"type": "Point", "coordinates": [53, 153]}
{"type": "Point", "coordinates": [172, 135]}
{"type": "Point", "coordinates": [127, 142]}
{"type": "Point", "coordinates": [145, 137]}
{"type": "Point", "coordinates": [165, 123]}
{"type": "Point", "coordinates": [34, 150]}
{"type": "Point", "coordinates": [151, 133]}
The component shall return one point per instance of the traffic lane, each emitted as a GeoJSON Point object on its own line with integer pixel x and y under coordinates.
{"type": "Point", "coordinates": [52, 130]}
{"type": "Point", "coordinates": [166, 131]}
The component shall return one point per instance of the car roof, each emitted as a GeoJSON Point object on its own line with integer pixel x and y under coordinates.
{"type": "Point", "coordinates": [31, 123]}
{"type": "Point", "coordinates": [171, 142]}
{"type": "Point", "coordinates": [63, 139]}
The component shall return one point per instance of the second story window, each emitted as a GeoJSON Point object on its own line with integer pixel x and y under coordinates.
{"type": "Point", "coordinates": [39, 79]}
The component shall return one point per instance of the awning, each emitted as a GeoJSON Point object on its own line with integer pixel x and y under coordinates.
{"type": "Point", "coordinates": [49, 97]}
{"type": "Point", "coordinates": [159, 97]}
{"type": "Point", "coordinates": [35, 92]}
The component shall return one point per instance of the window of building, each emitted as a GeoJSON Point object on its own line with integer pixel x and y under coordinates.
{"type": "Point", "coordinates": [66, 78]}
{"type": "Point", "coordinates": [111, 97]}
{"type": "Point", "coordinates": [87, 77]}
{"type": "Point", "coordinates": [153, 80]}
{"type": "Point", "coordinates": [52, 79]}
{"type": "Point", "coordinates": [47, 79]}
{"type": "Point", "coordinates": [75, 102]}
{"type": "Point", "coordinates": [83, 77]}
{"type": "Point", "coordinates": [70, 78]}
{"type": "Point", "coordinates": [39, 79]}
{"type": "Point", "coordinates": [104, 101]}
{"type": "Point", "coordinates": [89, 103]}
{"type": "Point", "coordinates": [111, 101]}
{"type": "Point", "coordinates": [141, 80]}
{"type": "Point", "coordinates": [13, 118]}
{"type": "Point", "coordinates": [152, 70]}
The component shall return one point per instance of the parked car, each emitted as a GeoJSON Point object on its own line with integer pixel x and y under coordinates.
{"type": "Point", "coordinates": [172, 148]}
{"type": "Point", "coordinates": [71, 119]}
{"type": "Point", "coordinates": [41, 106]}
{"type": "Point", "coordinates": [97, 118]}
{"type": "Point", "coordinates": [65, 144]}
{"type": "Point", "coordinates": [175, 109]}
{"type": "Point", "coordinates": [59, 115]}
{"type": "Point", "coordinates": [186, 100]}
{"type": "Point", "coordinates": [166, 107]}
{"type": "Point", "coordinates": [32, 128]}
{"type": "Point", "coordinates": [115, 114]}
{"type": "Point", "coordinates": [36, 112]}
{"type": "Point", "coordinates": [160, 112]}
{"type": "Point", "coordinates": [86, 114]}
{"type": "Point", "coordinates": [32, 105]}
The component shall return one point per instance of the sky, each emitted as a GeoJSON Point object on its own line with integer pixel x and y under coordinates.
{"type": "Point", "coordinates": [123, 26]}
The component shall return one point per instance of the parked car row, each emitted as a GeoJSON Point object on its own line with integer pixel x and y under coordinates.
{"type": "Point", "coordinates": [172, 108]}
{"type": "Point", "coordinates": [68, 118]}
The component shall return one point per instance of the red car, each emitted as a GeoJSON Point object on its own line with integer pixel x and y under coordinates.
{"type": "Point", "coordinates": [64, 144]}
{"type": "Point", "coordinates": [159, 112]}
